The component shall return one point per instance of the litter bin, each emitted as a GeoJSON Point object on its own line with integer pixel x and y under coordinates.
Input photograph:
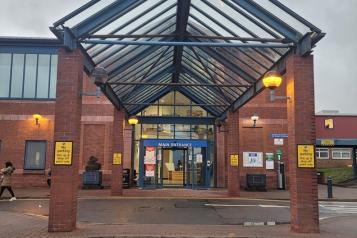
{"type": "Point", "coordinates": [320, 177]}
{"type": "Point", "coordinates": [126, 178]}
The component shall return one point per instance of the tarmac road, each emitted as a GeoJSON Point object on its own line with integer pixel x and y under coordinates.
{"type": "Point", "coordinates": [179, 211]}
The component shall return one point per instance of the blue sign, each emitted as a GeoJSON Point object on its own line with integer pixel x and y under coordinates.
{"type": "Point", "coordinates": [175, 143]}
{"type": "Point", "coordinates": [276, 135]}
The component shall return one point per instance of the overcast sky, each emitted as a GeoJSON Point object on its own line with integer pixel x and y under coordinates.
{"type": "Point", "coordinates": [335, 55]}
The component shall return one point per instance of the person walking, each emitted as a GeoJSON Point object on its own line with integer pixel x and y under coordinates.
{"type": "Point", "coordinates": [6, 180]}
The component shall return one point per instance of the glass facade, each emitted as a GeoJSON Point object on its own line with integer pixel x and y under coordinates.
{"type": "Point", "coordinates": [174, 104]}
{"type": "Point", "coordinates": [28, 76]}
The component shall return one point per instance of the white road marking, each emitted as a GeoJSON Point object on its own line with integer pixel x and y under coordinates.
{"type": "Point", "coordinates": [243, 205]}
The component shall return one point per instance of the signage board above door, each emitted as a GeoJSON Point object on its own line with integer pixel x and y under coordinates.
{"type": "Point", "coordinates": [175, 143]}
{"type": "Point", "coordinates": [279, 135]}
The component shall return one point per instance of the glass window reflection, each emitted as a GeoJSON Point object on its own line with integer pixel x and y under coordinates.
{"type": "Point", "coordinates": [5, 69]}
{"type": "Point", "coordinates": [149, 131]}
{"type": "Point", "coordinates": [166, 131]}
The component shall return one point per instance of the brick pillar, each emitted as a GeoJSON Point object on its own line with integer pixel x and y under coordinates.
{"type": "Point", "coordinates": [65, 179]}
{"type": "Point", "coordinates": [118, 147]}
{"type": "Point", "coordinates": [221, 156]}
{"type": "Point", "coordinates": [232, 141]}
{"type": "Point", "coordinates": [301, 129]}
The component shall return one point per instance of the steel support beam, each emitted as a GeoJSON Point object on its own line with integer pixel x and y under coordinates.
{"type": "Point", "coordinates": [181, 105]}
{"type": "Point", "coordinates": [182, 84]}
{"type": "Point", "coordinates": [104, 17]}
{"type": "Point", "coordinates": [183, 10]}
{"type": "Point", "coordinates": [197, 100]}
{"type": "Point", "coordinates": [269, 19]}
{"type": "Point", "coordinates": [189, 43]}
{"type": "Point", "coordinates": [153, 98]}
{"type": "Point", "coordinates": [177, 120]}
{"type": "Point", "coordinates": [243, 39]}
{"type": "Point", "coordinates": [159, 75]}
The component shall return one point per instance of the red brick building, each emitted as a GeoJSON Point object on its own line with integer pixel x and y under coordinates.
{"type": "Point", "coordinates": [193, 76]}
{"type": "Point", "coordinates": [21, 137]}
{"type": "Point", "coordinates": [336, 135]}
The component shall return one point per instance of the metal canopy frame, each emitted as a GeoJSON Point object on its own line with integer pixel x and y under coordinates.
{"type": "Point", "coordinates": [213, 52]}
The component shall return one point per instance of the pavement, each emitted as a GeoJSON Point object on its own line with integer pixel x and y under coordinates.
{"type": "Point", "coordinates": [178, 213]}
{"type": "Point", "coordinates": [339, 193]}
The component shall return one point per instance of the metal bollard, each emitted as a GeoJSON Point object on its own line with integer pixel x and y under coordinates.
{"type": "Point", "coordinates": [329, 187]}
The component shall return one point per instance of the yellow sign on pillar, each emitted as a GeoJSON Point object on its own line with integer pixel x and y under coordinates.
{"type": "Point", "coordinates": [63, 152]}
{"type": "Point", "coordinates": [117, 158]}
{"type": "Point", "coordinates": [234, 160]}
{"type": "Point", "coordinates": [306, 156]}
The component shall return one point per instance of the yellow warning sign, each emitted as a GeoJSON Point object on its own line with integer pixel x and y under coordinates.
{"type": "Point", "coordinates": [63, 152]}
{"type": "Point", "coordinates": [306, 156]}
{"type": "Point", "coordinates": [234, 160]}
{"type": "Point", "coordinates": [117, 158]}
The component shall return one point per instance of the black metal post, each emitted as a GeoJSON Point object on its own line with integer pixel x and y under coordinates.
{"type": "Point", "coordinates": [354, 162]}
{"type": "Point", "coordinates": [329, 187]}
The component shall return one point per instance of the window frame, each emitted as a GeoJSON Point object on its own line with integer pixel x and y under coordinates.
{"type": "Point", "coordinates": [340, 149]}
{"type": "Point", "coordinates": [318, 153]}
{"type": "Point", "coordinates": [25, 156]}
{"type": "Point", "coordinates": [51, 79]}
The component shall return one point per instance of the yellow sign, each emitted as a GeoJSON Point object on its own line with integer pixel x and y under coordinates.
{"type": "Point", "coordinates": [329, 123]}
{"type": "Point", "coordinates": [306, 156]}
{"type": "Point", "coordinates": [234, 160]}
{"type": "Point", "coordinates": [63, 152]}
{"type": "Point", "coordinates": [117, 158]}
{"type": "Point", "coordinates": [327, 142]}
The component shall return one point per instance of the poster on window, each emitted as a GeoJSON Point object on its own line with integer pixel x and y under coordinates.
{"type": "Point", "coordinates": [150, 170]}
{"type": "Point", "coordinates": [150, 157]}
{"type": "Point", "coordinates": [252, 159]}
{"type": "Point", "coordinates": [269, 160]}
{"type": "Point", "coordinates": [198, 158]}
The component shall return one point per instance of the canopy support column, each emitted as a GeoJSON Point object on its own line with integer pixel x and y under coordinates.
{"type": "Point", "coordinates": [233, 149]}
{"type": "Point", "coordinates": [64, 176]}
{"type": "Point", "coordinates": [304, 208]}
{"type": "Point", "coordinates": [118, 151]}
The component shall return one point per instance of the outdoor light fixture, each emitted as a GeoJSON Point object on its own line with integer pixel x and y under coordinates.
{"type": "Point", "coordinates": [272, 80]}
{"type": "Point", "coordinates": [37, 117]}
{"type": "Point", "coordinates": [100, 76]}
{"type": "Point", "coordinates": [133, 120]}
{"type": "Point", "coordinates": [219, 124]}
{"type": "Point", "coordinates": [254, 118]}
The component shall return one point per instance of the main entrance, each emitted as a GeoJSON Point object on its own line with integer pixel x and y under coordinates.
{"type": "Point", "coordinates": [174, 163]}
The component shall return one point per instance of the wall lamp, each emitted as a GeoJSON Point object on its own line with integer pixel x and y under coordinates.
{"type": "Point", "coordinates": [133, 120]}
{"type": "Point", "coordinates": [100, 76]}
{"type": "Point", "coordinates": [272, 80]}
{"type": "Point", "coordinates": [254, 118]}
{"type": "Point", "coordinates": [219, 124]}
{"type": "Point", "coordinates": [37, 117]}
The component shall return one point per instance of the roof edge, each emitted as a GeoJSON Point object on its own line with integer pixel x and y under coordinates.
{"type": "Point", "coordinates": [29, 41]}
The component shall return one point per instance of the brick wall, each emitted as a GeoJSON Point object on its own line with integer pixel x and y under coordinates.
{"type": "Point", "coordinates": [16, 126]}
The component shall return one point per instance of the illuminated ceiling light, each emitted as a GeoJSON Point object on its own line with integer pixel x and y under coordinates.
{"type": "Point", "coordinates": [272, 80]}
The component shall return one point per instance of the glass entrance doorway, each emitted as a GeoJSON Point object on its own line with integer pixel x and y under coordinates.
{"type": "Point", "coordinates": [174, 163]}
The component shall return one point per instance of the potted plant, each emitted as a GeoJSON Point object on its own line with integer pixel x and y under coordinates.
{"type": "Point", "coordinates": [92, 177]}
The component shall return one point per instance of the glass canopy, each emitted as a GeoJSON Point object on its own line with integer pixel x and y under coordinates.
{"type": "Point", "coordinates": [214, 52]}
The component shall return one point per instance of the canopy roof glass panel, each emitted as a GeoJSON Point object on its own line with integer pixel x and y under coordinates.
{"type": "Point", "coordinates": [214, 52]}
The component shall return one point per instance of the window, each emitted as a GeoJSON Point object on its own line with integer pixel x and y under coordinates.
{"type": "Point", "coordinates": [35, 155]}
{"type": "Point", "coordinates": [341, 153]}
{"type": "Point", "coordinates": [28, 76]}
{"type": "Point", "coordinates": [322, 153]}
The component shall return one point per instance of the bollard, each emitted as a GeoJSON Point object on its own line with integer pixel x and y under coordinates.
{"type": "Point", "coordinates": [329, 187]}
